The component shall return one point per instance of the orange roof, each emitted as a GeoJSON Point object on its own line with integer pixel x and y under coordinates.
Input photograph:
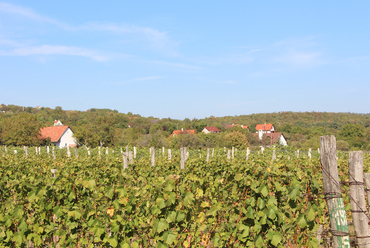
{"type": "Point", "coordinates": [54, 133]}
{"type": "Point", "coordinates": [176, 132]}
{"type": "Point", "coordinates": [232, 125]}
{"type": "Point", "coordinates": [274, 136]}
{"type": "Point", "coordinates": [212, 129]}
{"type": "Point", "coordinates": [264, 127]}
{"type": "Point", "coordinates": [245, 127]}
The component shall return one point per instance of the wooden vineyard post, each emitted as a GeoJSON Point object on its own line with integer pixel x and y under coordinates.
{"type": "Point", "coordinates": [68, 152]}
{"type": "Point", "coordinates": [262, 148]}
{"type": "Point", "coordinates": [273, 155]}
{"type": "Point", "coordinates": [36, 150]}
{"type": "Point", "coordinates": [39, 150]}
{"type": "Point", "coordinates": [232, 152]}
{"type": "Point", "coordinates": [152, 155]}
{"type": "Point", "coordinates": [228, 154]}
{"type": "Point", "coordinates": [169, 154]}
{"type": "Point", "coordinates": [332, 191]}
{"type": "Point", "coordinates": [106, 151]}
{"type": "Point", "coordinates": [213, 151]}
{"type": "Point", "coordinates": [47, 149]}
{"type": "Point", "coordinates": [26, 151]}
{"type": "Point", "coordinates": [208, 151]}
{"type": "Point", "coordinates": [88, 152]}
{"type": "Point", "coordinates": [130, 157]}
{"type": "Point", "coordinates": [134, 151]}
{"type": "Point", "coordinates": [124, 157]}
{"type": "Point", "coordinates": [247, 155]}
{"type": "Point", "coordinates": [367, 183]}
{"type": "Point", "coordinates": [183, 153]}
{"type": "Point", "coordinates": [309, 152]}
{"type": "Point", "coordinates": [358, 203]}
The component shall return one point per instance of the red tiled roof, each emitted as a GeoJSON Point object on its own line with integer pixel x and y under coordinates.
{"type": "Point", "coordinates": [212, 129]}
{"type": "Point", "coordinates": [54, 133]}
{"type": "Point", "coordinates": [177, 132]}
{"type": "Point", "coordinates": [232, 125]}
{"type": "Point", "coordinates": [245, 127]}
{"type": "Point", "coordinates": [264, 127]}
{"type": "Point", "coordinates": [274, 136]}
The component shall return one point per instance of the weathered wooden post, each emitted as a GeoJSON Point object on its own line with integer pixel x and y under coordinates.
{"type": "Point", "coordinates": [88, 152]}
{"type": "Point", "coordinates": [309, 152]}
{"type": "Point", "coordinates": [47, 149]}
{"type": "Point", "coordinates": [169, 154]}
{"type": "Point", "coordinates": [162, 150]}
{"type": "Point", "coordinates": [36, 150]}
{"type": "Point", "coordinates": [228, 154]}
{"type": "Point", "coordinates": [106, 151]}
{"type": "Point", "coordinates": [99, 152]}
{"type": "Point", "coordinates": [15, 152]}
{"type": "Point", "coordinates": [333, 194]}
{"type": "Point", "coordinates": [26, 151]}
{"type": "Point", "coordinates": [130, 157]}
{"type": "Point", "coordinates": [248, 152]}
{"type": "Point", "coordinates": [68, 152]}
{"type": "Point", "coordinates": [124, 158]}
{"type": "Point", "coordinates": [213, 151]}
{"type": "Point", "coordinates": [182, 157]}
{"type": "Point", "coordinates": [39, 150]}
{"type": "Point", "coordinates": [208, 151]}
{"type": "Point", "coordinates": [273, 155]}
{"type": "Point", "coordinates": [367, 183]}
{"type": "Point", "coordinates": [262, 149]}
{"type": "Point", "coordinates": [153, 155]}
{"type": "Point", "coordinates": [358, 203]}
{"type": "Point", "coordinates": [232, 152]}
{"type": "Point", "coordinates": [134, 151]}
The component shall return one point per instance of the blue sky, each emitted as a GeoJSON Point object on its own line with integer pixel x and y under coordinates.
{"type": "Point", "coordinates": [188, 59]}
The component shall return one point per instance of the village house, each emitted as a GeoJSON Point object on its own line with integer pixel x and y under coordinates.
{"type": "Point", "coordinates": [210, 130]}
{"type": "Point", "coordinates": [182, 131]}
{"type": "Point", "coordinates": [237, 125]}
{"type": "Point", "coordinates": [59, 135]}
{"type": "Point", "coordinates": [268, 130]}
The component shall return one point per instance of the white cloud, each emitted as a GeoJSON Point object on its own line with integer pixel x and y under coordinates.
{"type": "Point", "coordinates": [298, 58]}
{"type": "Point", "coordinates": [148, 78]}
{"type": "Point", "coordinates": [54, 50]}
{"type": "Point", "coordinates": [18, 10]}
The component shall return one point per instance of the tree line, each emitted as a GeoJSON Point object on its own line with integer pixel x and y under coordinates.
{"type": "Point", "coordinates": [20, 126]}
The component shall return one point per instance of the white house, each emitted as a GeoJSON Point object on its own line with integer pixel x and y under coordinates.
{"type": "Point", "coordinates": [264, 128]}
{"type": "Point", "coordinates": [210, 130]}
{"type": "Point", "coordinates": [60, 136]}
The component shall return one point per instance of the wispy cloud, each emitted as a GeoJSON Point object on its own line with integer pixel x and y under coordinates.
{"type": "Point", "coordinates": [186, 66]}
{"type": "Point", "coordinates": [156, 39]}
{"type": "Point", "coordinates": [302, 59]}
{"type": "Point", "coordinates": [159, 40]}
{"type": "Point", "coordinates": [227, 82]}
{"type": "Point", "coordinates": [148, 78]}
{"type": "Point", "coordinates": [28, 13]}
{"type": "Point", "coordinates": [55, 50]}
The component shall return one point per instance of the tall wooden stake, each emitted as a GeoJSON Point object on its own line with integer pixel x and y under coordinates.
{"type": "Point", "coordinates": [153, 155]}
{"type": "Point", "coordinates": [333, 194]}
{"type": "Point", "coordinates": [208, 151]}
{"type": "Point", "coordinates": [358, 203]}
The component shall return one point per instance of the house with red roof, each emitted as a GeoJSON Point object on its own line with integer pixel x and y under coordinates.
{"type": "Point", "coordinates": [275, 138]}
{"type": "Point", "coordinates": [210, 130]}
{"type": "Point", "coordinates": [182, 131]}
{"type": "Point", "coordinates": [237, 125]}
{"type": "Point", "coordinates": [60, 136]}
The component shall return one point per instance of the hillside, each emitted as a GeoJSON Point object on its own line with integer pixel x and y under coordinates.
{"type": "Point", "coordinates": [108, 127]}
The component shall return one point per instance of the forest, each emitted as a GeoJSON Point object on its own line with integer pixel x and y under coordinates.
{"type": "Point", "coordinates": [20, 126]}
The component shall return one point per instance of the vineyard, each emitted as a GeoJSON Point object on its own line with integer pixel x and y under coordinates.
{"type": "Point", "coordinates": [90, 200]}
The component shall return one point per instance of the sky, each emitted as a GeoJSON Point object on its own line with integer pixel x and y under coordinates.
{"type": "Point", "coordinates": [186, 59]}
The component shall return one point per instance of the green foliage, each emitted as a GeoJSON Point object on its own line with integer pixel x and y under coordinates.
{"type": "Point", "coordinates": [236, 139]}
{"type": "Point", "coordinates": [21, 130]}
{"type": "Point", "coordinates": [211, 204]}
